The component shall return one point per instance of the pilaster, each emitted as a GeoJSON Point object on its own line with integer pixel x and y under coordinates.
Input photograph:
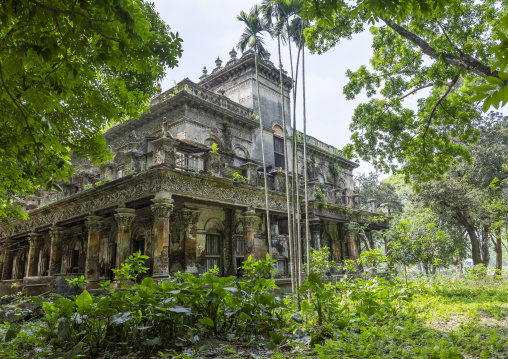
{"type": "Point", "coordinates": [33, 254]}
{"type": "Point", "coordinates": [251, 172]}
{"type": "Point", "coordinates": [213, 163]}
{"type": "Point", "coordinates": [94, 226]}
{"type": "Point", "coordinates": [55, 256]}
{"type": "Point", "coordinates": [9, 250]}
{"type": "Point", "coordinates": [124, 218]}
{"type": "Point", "coordinates": [249, 226]}
{"type": "Point", "coordinates": [188, 218]}
{"type": "Point", "coordinates": [354, 250]}
{"type": "Point", "coordinates": [161, 209]}
{"type": "Point", "coordinates": [164, 150]}
{"type": "Point", "coordinates": [315, 233]}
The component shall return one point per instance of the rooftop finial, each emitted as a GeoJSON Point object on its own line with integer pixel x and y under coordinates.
{"type": "Point", "coordinates": [233, 53]}
{"type": "Point", "coordinates": [218, 62]}
{"type": "Point", "coordinates": [205, 73]}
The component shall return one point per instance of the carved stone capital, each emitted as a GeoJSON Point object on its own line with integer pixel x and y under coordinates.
{"type": "Point", "coordinates": [315, 225]}
{"type": "Point", "coordinates": [56, 234]}
{"type": "Point", "coordinates": [161, 210]}
{"type": "Point", "coordinates": [124, 218]}
{"type": "Point", "coordinates": [249, 219]}
{"type": "Point", "coordinates": [93, 224]}
{"type": "Point", "coordinates": [35, 240]}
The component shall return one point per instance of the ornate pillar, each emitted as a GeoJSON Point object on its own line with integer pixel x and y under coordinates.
{"type": "Point", "coordinates": [161, 208]}
{"type": "Point", "coordinates": [385, 207]}
{"type": "Point", "coordinates": [315, 233]}
{"type": "Point", "coordinates": [356, 201]}
{"type": "Point", "coordinates": [372, 205]}
{"type": "Point", "coordinates": [251, 172]}
{"type": "Point", "coordinates": [164, 150]}
{"type": "Point", "coordinates": [8, 259]}
{"type": "Point", "coordinates": [55, 256]}
{"type": "Point", "coordinates": [33, 254]}
{"type": "Point", "coordinates": [212, 163]}
{"type": "Point", "coordinates": [124, 218]}
{"type": "Point", "coordinates": [94, 225]}
{"type": "Point", "coordinates": [249, 225]}
{"type": "Point", "coordinates": [188, 219]}
{"type": "Point", "coordinates": [354, 253]}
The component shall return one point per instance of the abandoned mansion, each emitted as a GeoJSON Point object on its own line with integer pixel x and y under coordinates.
{"type": "Point", "coordinates": [185, 188]}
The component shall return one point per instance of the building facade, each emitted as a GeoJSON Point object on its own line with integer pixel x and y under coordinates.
{"type": "Point", "coordinates": [185, 188]}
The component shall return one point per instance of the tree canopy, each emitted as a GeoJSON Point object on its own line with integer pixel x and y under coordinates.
{"type": "Point", "coordinates": [419, 48]}
{"type": "Point", "coordinates": [67, 69]}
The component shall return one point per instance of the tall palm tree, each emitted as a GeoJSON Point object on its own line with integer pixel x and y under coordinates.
{"type": "Point", "coordinates": [306, 198]}
{"type": "Point", "coordinates": [252, 37]}
{"type": "Point", "coordinates": [278, 10]}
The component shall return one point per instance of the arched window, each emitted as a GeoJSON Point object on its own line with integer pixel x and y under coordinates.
{"type": "Point", "coordinates": [278, 130]}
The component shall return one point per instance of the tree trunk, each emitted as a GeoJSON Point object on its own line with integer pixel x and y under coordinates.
{"type": "Point", "coordinates": [465, 219]}
{"type": "Point", "coordinates": [306, 196]}
{"type": "Point", "coordinates": [499, 250]}
{"type": "Point", "coordinates": [286, 164]}
{"type": "Point", "coordinates": [485, 245]}
{"type": "Point", "coordinates": [268, 234]}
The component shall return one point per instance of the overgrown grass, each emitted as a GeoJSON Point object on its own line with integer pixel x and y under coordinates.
{"type": "Point", "coordinates": [188, 317]}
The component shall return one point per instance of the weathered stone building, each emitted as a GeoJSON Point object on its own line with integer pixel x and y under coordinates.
{"type": "Point", "coordinates": [172, 195]}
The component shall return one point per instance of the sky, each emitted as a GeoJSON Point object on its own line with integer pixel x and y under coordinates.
{"type": "Point", "coordinates": [209, 28]}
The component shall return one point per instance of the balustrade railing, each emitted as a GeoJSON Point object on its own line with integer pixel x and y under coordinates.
{"type": "Point", "coordinates": [189, 162]}
{"type": "Point", "coordinates": [209, 96]}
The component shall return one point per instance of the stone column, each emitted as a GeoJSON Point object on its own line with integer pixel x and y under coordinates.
{"type": "Point", "coordinates": [161, 208]}
{"type": "Point", "coordinates": [8, 259]}
{"type": "Point", "coordinates": [124, 218]}
{"type": "Point", "coordinates": [385, 207]}
{"type": "Point", "coordinates": [356, 201]}
{"type": "Point", "coordinates": [94, 225]}
{"type": "Point", "coordinates": [55, 257]}
{"type": "Point", "coordinates": [315, 233]}
{"type": "Point", "coordinates": [189, 218]}
{"type": "Point", "coordinates": [164, 150]}
{"type": "Point", "coordinates": [212, 163]}
{"type": "Point", "coordinates": [280, 181]}
{"type": "Point", "coordinates": [372, 205]}
{"type": "Point", "coordinates": [33, 254]}
{"type": "Point", "coordinates": [251, 172]}
{"type": "Point", "coordinates": [249, 225]}
{"type": "Point", "coordinates": [351, 243]}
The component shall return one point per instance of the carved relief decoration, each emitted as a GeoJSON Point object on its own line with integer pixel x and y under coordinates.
{"type": "Point", "coordinates": [144, 185]}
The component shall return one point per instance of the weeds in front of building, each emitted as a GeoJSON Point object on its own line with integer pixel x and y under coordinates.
{"type": "Point", "coordinates": [357, 315]}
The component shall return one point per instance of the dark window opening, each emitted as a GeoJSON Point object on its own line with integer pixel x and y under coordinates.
{"type": "Point", "coordinates": [139, 245]}
{"type": "Point", "coordinates": [212, 251]}
{"type": "Point", "coordinates": [240, 254]}
{"type": "Point", "coordinates": [282, 225]}
{"type": "Point", "coordinates": [75, 261]}
{"type": "Point", "coordinates": [278, 151]}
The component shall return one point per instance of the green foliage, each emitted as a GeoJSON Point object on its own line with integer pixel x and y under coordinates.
{"type": "Point", "coordinates": [417, 46]}
{"type": "Point", "coordinates": [320, 196]}
{"type": "Point", "coordinates": [239, 178]}
{"type": "Point", "coordinates": [320, 262]}
{"type": "Point", "coordinates": [372, 258]}
{"type": "Point", "coordinates": [215, 147]}
{"type": "Point", "coordinates": [334, 168]}
{"type": "Point", "coordinates": [361, 318]}
{"type": "Point", "coordinates": [67, 70]}
{"type": "Point", "coordinates": [131, 268]}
